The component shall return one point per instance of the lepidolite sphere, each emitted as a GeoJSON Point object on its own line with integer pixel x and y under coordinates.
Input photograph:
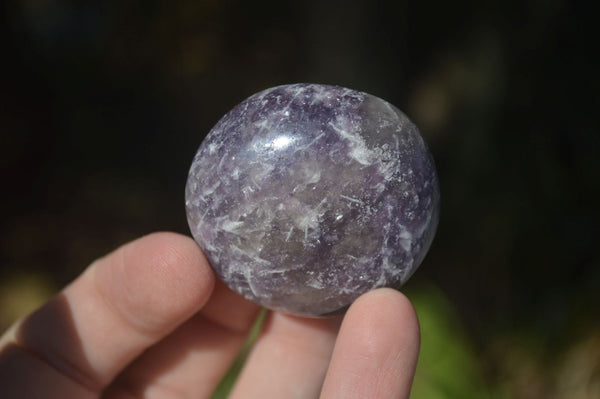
{"type": "Point", "coordinates": [305, 196]}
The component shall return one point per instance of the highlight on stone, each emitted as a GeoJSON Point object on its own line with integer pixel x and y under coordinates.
{"type": "Point", "coordinates": [305, 196]}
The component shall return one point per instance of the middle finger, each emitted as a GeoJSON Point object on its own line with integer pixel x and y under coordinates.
{"type": "Point", "coordinates": [191, 361]}
{"type": "Point", "coordinates": [289, 359]}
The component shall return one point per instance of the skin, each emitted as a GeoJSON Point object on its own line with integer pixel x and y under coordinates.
{"type": "Point", "coordinates": [150, 320]}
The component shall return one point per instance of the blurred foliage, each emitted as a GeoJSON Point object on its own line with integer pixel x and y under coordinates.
{"type": "Point", "coordinates": [104, 104]}
{"type": "Point", "coordinates": [20, 295]}
{"type": "Point", "coordinates": [448, 367]}
{"type": "Point", "coordinates": [226, 384]}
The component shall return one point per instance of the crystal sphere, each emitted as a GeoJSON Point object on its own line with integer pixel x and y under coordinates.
{"type": "Point", "coordinates": [305, 196]}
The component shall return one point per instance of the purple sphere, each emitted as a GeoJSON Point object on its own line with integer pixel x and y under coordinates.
{"type": "Point", "coordinates": [305, 196]}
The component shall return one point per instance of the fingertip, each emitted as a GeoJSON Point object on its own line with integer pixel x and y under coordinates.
{"type": "Point", "coordinates": [390, 306]}
{"type": "Point", "coordinates": [379, 340]}
{"type": "Point", "coordinates": [122, 304]}
{"type": "Point", "coordinates": [156, 278]}
{"type": "Point", "coordinates": [177, 257]}
{"type": "Point", "coordinates": [382, 315]}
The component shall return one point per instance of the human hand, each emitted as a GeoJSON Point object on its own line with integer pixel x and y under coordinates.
{"type": "Point", "coordinates": [150, 320]}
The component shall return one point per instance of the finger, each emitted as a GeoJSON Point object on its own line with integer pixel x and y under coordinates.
{"type": "Point", "coordinates": [191, 361]}
{"type": "Point", "coordinates": [376, 352]}
{"type": "Point", "coordinates": [121, 305]}
{"type": "Point", "coordinates": [289, 360]}
{"type": "Point", "coordinates": [23, 376]}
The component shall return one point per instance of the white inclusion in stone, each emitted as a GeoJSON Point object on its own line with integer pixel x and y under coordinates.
{"type": "Point", "coordinates": [209, 190]}
{"type": "Point", "coordinates": [289, 234]}
{"type": "Point", "coordinates": [323, 201]}
{"type": "Point", "coordinates": [421, 229]}
{"type": "Point", "coordinates": [253, 180]}
{"type": "Point", "coordinates": [397, 140]}
{"type": "Point", "coordinates": [247, 190]}
{"type": "Point", "coordinates": [297, 92]}
{"type": "Point", "coordinates": [263, 124]}
{"type": "Point", "coordinates": [221, 163]}
{"type": "Point", "coordinates": [280, 142]}
{"type": "Point", "coordinates": [231, 226]}
{"type": "Point", "coordinates": [314, 283]}
{"type": "Point", "coordinates": [304, 148]}
{"type": "Point", "coordinates": [212, 148]}
{"type": "Point", "coordinates": [237, 251]}
{"type": "Point", "coordinates": [248, 273]}
{"type": "Point", "coordinates": [351, 199]}
{"type": "Point", "coordinates": [359, 150]}
{"type": "Point", "coordinates": [354, 94]}
{"type": "Point", "coordinates": [310, 220]}
{"type": "Point", "coordinates": [261, 173]}
{"type": "Point", "coordinates": [252, 255]}
{"type": "Point", "coordinates": [320, 94]}
{"type": "Point", "coordinates": [406, 239]}
{"type": "Point", "coordinates": [379, 188]}
{"type": "Point", "coordinates": [313, 174]}
{"type": "Point", "coordinates": [381, 281]}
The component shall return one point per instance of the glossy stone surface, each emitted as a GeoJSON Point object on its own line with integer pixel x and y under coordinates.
{"type": "Point", "coordinates": [305, 196]}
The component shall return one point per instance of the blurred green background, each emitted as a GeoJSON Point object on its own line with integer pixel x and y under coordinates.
{"type": "Point", "coordinates": [103, 105]}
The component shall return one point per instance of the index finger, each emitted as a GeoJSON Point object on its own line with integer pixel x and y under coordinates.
{"type": "Point", "coordinates": [376, 352]}
{"type": "Point", "coordinates": [122, 304]}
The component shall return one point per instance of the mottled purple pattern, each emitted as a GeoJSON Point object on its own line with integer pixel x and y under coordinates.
{"type": "Point", "coordinates": [305, 196]}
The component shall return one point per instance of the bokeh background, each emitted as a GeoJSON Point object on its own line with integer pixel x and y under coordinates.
{"type": "Point", "coordinates": [103, 105]}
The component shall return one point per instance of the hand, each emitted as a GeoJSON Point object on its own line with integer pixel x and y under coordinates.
{"type": "Point", "coordinates": [149, 320]}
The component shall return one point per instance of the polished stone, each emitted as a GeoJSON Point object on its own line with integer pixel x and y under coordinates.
{"type": "Point", "coordinates": [305, 196]}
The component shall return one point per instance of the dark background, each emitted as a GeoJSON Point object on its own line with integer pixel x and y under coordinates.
{"type": "Point", "coordinates": [103, 105]}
